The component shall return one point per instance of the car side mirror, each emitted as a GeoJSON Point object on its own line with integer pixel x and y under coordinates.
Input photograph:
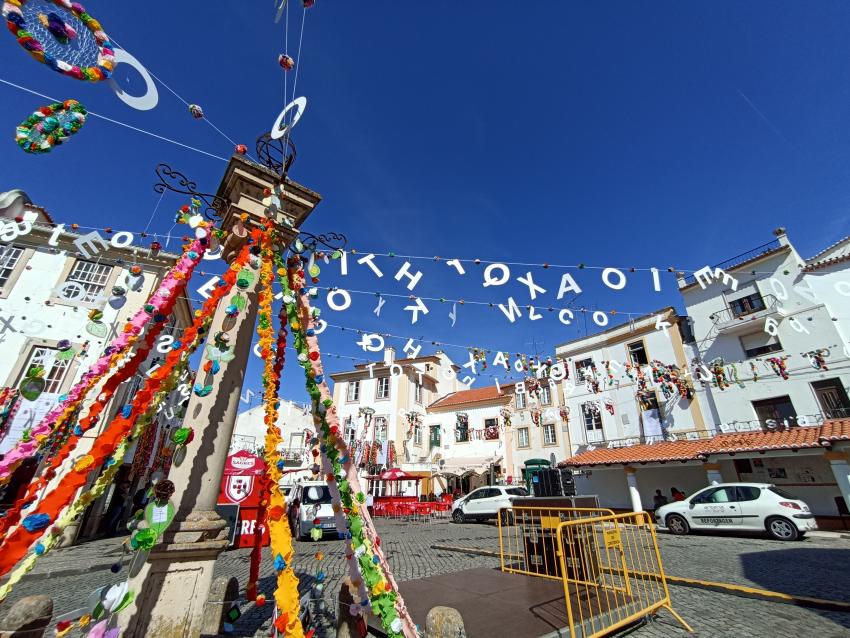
{"type": "Point", "coordinates": [691, 505]}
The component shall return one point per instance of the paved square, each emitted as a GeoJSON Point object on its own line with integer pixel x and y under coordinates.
{"type": "Point", "coordinates": [813, 567]}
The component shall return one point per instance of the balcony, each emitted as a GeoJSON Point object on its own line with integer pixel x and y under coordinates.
{"type": "Point", "coordinates": [753, 318]}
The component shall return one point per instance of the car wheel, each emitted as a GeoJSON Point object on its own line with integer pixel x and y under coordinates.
{"type": "Point", "coordinates": [458, 517]}
{"type": "Point", "coordinates": [782, 529]}
{"type": "Point", "coordinates": [677, 525]}
{"type": "Point", "coordinates": [506, 518]}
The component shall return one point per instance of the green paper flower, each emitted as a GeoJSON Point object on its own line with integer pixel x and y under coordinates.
{"type": "Point", "coordinates": [144, 539]}
{"type": "Point", "coordinates": [316, 534]}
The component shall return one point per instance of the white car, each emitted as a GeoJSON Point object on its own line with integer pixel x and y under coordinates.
{"type": "Point", "coordinates": [739, 506]}
{"type": "Point", "coordinates": [310, 504]}
{"type": "Point", "coordinates": [485, 502]}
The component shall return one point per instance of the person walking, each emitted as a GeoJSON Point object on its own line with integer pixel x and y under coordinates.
{"type": "Point", "coordinates": [659, 499]}
{"type": "Point", "coordinates": [117, 508]}
{"type": "Point", "coordinates": [142, 496]}
{"type": "Point", "coordinates": [676, 494]}
{"type": "Point", "coordinates": [370, 504]}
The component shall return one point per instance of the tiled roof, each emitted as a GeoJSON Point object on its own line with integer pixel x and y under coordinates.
{"type": "Point", "coordinates": [469, 396]}
{"type": "Point", "coordinates": [791, 439]}
{"type": "Point", "coordinates": [822, 261]}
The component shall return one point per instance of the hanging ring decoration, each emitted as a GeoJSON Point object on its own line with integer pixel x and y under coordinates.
{"type": "Point", "coordinates": [144, 102]}
{"type": "Point", "coordinates": [17, 24]}
{"type": "Point", "coordinates": [299, 103]}
{"type": "Point", "coordinates": [49, 126]}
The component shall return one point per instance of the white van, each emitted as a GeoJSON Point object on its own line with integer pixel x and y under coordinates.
{"type": "Point", "coordinates": [309, 504]}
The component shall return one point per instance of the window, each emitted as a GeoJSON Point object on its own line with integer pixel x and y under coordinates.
{"type": "Point", "coordinates": [350, 431]}
{"type": "Point", "coordinates": [718, 495]}
{"type": "Point", "coordinates": [491, 429]}
{"type": "Point", "coordinates": [545, 394]}
{"type": "Point", "coordinates": [747, 305]}
{"type": "Point", "coordinates": [775, 409]}
{"type": "Point", "coordinates": [637, 353]}
{"type": "Point", "coordinates": [581, 366]}
{"type": "Point", "coordinates": [549, 436]}
{"type": "Point", "coordinates": [759, 343]}
{"type": "Point", "coordinates": [462, 430]}
{"type": "Point", "coordinates": [434, 440]}
{"type": "Point", "coordinates": [9, 257]}
{"type": "Point", "coordinates": [521, 401]}
{"type": "Point", "coordinates": [353, 391]}
{"type": "Point", "coordinates": [748, 493]}
{"type": "Point", "coordinates": [381, 428]}
{"type": "Point", "coordinates": [592, 417]}
{"type": "Point", "coordinates": [516, 491]}
{"type": "Point", "coordinates": [522, 437]}
{"type": "Point", "coordinates": [317, 495]}
{"type": "Point", "coordinates": [383, 388]}
{"type": "Point", "coordinates": [832, 398]}
{"type": "Point", "coordinates": [417, 434]}
{"type": "Point", "coordinates": [91, 276]}
{"type": "Point", "coordinates": [781, 493]}
{"type": "Point", "coordinates": [54, 369]}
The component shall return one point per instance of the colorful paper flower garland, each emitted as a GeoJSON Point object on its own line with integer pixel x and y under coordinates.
{"type": "Point", "coordinates": [272, 511]}
{"type": "Point", "coordinates": [384, 599]}
{"type": "Point", "coordinates": [15, 21]}
{"type": "Point", "coordinates": [17, 543]}
{"type": "Point", "coordinates": [50, 126]}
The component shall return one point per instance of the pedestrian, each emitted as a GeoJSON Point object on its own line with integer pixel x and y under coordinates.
{"type": "Point", "coordinates": [370, 504]}
{"type": "Point", "coordinates": [659, 499]}
{"type": "Point", "coordinates": [142, 496]}
{"type": "Point", "coordinates": [117, 508]}
{"type": "Point", "coordinates": [676, 494]}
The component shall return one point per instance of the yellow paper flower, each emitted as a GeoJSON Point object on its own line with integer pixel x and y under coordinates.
{"type": "Point", "coordinates": [85, 620]}
{"type": "Point", "coordinates": [84, 463]}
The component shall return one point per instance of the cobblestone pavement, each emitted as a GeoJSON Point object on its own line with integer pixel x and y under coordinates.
{"type": "Point", "coordinates": [813, 567]}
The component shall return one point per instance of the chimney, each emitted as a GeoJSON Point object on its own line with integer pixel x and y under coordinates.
{"type": "Point", "coordinates": [389, 355]}
{"type": "Point", "coordinates": [779, 233]}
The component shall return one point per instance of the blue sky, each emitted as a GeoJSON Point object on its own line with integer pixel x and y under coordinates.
{"type": "Point", "coordinates": [618, 133]}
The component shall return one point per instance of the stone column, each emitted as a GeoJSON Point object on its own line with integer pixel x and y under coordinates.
{"type": "Point", "coordinates": [634, 494]}
{"type": "Point", "coordinates": [173, 586]}
{"type": "Point", "coordinates": [712, 471]}
{"type": "Point", "coordinates": [841, 472]}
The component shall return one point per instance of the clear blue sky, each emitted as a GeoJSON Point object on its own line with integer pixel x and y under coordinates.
{"type": "Point", "coordinates": [633, 134]}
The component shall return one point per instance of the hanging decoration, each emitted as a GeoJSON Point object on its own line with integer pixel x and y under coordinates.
{"type": "Point", "coordinates": [50, 126]}
{"type": "Point", "coordinates": [384, 599]}
{"type": "Point", "coordinates": [754, 371]}
{"type": "Point", "coordinates": [33, 383]}
{"type": "Point", "coordinates": [779, 367]}
{"type": "Point", "coordinates": [506, 413]}
{"type": "Point", "coordinates": [733, 373]}
{"type": "Point", "coordinates": [609, 405]}
{"type": "Point", "coordinates": [818, 359]}
{"type": "Point", "coordinates": [564, 413]}
{"type": "Point", "coordinates": [286, 62]}
{"type": "Point", "coordinates": [272, 512]}
{"type": "Point", "coordinates": [196, 111]}
{"type": "Point", "coordinates": [59, 29]}
{"type": "Point", "coordinates": [9, 402]}
{"type": "Point", "coordinates": [718, 373]}
{"type": "Point", "coordinates": [13, 11]}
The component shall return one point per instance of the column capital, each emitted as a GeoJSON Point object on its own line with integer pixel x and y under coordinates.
{"type": "Point", "coordinates": [629, 470]}
{"type": "Point", "coordinates": [711, 466]}
{"type": "Point", "coordinates": [834, 455]}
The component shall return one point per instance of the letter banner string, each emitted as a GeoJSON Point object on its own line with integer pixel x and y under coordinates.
{"type": "Point", "coordinates": [384, 599]}
{"type": "Point", "coordinates": [18, 542]}
{"type": "Point", "coordinates": [272, 510]}
{"type": "Point", "coordinates": [105, 480]}
{"type": "Point", "coordinates": [112, 355]}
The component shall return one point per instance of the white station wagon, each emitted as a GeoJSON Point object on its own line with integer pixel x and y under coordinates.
{"type": "Point", "coordinates": [753, 507]}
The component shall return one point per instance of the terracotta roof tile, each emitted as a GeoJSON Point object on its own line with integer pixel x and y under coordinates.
{"type": "Point", "coordinates": [791, 439]}
{"type": "Point", "coordinates": [469, 396]}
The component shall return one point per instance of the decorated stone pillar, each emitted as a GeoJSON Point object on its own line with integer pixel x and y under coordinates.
{"type": "Point", "coordinates": [172, 587]}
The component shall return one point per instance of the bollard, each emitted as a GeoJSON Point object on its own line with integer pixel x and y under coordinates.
{"type": "Point", "coordinates": [223, 593]}
{"type": "Point", "coordinates": [29, 617]}
{"type": "Point", "coordinates": [444, 622]}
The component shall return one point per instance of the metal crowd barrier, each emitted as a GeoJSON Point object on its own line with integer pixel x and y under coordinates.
{"type": "Point", "coordinates": [609, 564]}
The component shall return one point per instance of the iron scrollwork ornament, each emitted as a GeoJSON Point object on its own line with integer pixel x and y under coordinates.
{"type": "Point", "coordinates": [276, 154]}
{"type": "Point", "coordinates": [177, 182]}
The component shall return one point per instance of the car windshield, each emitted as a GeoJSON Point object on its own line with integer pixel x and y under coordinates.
{"type": "Point", "coordinates": [781, 493]}
{"type": "Point", "coordinates": [317, 494]}
{"type": "Point", "coordinates": [517, 491]}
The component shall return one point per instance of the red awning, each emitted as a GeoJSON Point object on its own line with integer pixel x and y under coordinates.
{"type": "Point", "coordinates": [396, 474]}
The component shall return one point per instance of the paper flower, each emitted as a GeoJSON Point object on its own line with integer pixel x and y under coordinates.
{"type": "Point", "coordinates": [36, 522]}
{"type": "Point", "coordinates": [279, 563]}
{"type": "Point", "coordinates": [196, 111]}
{"type": "Point", "coordinates": [285, 62]}
{"type": "Point", "coordinates": [260, 600]}
{"type": "Point", "coordinates": [316, 534]}
{"type": "Point", "coordinates": [144, 539]}
{"type": "Point", "coordinates": [183, 435]}
{"type": "Point", "coordinates": [84, 463]}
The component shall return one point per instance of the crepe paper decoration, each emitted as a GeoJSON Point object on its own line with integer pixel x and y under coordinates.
{"type": "Point", "coordinates": [18, 542]}
{"type": "Point", "coordinates": [182, 436]}
{"type": "Point", "coordinates": [196, 111]}
{"type": "Point", "coordinates": [780, 369]}
{"type": "Point", "coordinates": [260, 600]}
{"type": "Point", "coordinates": [36, 522]}
{"type": "Point", "coordinates": [285, 62]}
{"type": "Point", "coordinates": [271, 498]}
{"type": "Point", "coordinates": [9, 402]}
{"type": "Point", "coordinates": [164, 488]}
{"type": "Point", "coordinates": [58, 28]}
{"type": "Point", "coordinates": [33, 383]}
{"type": "Point", "coordinates": [50, 126]}
{"type": "Point", "coordinates": [240, 149]}
{"type": "Point", "coordinates": [361, 539]}
{"type": "Point", "coordinates": [308, 3]}
{"type": "Point", "coordinates": [113, 353]}
{"type": "Point", "coordinates": [144, 539]}
{"type": "Point", "coordinates": [17, 24]}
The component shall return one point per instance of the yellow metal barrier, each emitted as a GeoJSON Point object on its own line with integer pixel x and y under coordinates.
{"type": "Point", "coordinates": [609, 564]}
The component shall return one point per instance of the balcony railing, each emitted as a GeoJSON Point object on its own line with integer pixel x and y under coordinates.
{"type": "Point", "coordinates": [770, 305]}
{"type": "Point", "coordinates": [740, 259]}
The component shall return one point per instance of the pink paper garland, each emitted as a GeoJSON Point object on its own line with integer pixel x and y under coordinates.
{"type": "Point", "coordinates": [25, 449]}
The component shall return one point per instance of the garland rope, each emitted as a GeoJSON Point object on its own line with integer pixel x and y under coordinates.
{"type": "Point", "coordinates": [272, 511]}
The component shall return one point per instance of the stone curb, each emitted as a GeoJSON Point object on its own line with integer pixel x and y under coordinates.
{"type": "Point", "coordinates": [68, 571]}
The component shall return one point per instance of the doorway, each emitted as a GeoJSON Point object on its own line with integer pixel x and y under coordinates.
{"type": "Point", "coordinates": [832, 398]}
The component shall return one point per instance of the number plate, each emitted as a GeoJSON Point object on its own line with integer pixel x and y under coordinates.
{"type": "Point", "coordinates": [716, 521]}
